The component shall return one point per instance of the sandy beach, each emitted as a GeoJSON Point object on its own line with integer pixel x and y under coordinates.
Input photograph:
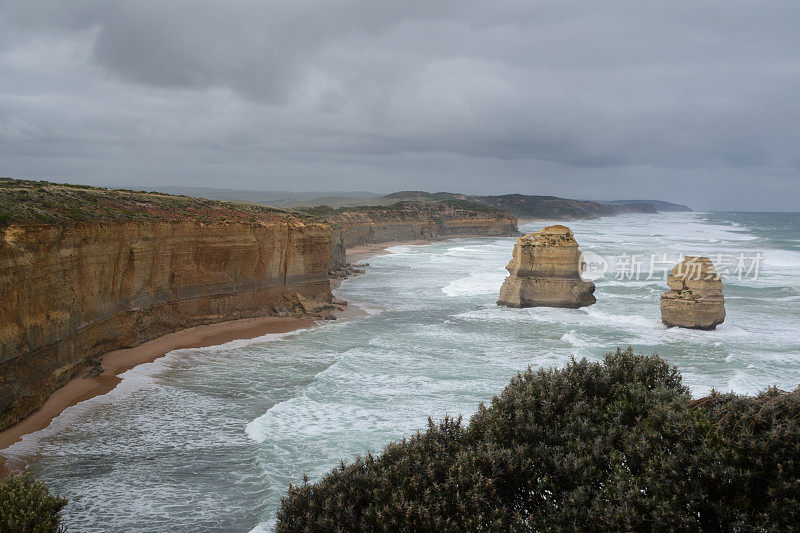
{"type": "Point", "coordinates": [356, 254]}
{"type": "Point", "coordinates": [114, 363]}
{"type": "Point", "coordinates": [81, 388]}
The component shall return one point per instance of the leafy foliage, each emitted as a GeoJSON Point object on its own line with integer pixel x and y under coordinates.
{"type": "Point", "coordinates": [26, 506]}
{"type": "Point", "coordinates": [614, 445]}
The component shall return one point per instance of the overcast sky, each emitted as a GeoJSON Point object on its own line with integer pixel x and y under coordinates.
{"type": "Point", "coordinates": [696, 102]}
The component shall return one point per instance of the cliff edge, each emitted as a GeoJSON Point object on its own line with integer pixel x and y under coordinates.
{"type": "Point", "coordinates": [410, 221]}
{"type": "Point", "coordinates": [84, 271]}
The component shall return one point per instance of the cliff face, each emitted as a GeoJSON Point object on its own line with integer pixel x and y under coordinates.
{"type": "Point", "coordinates": [364, 230]}
{"type": "Point", "coordinates": [72, 292]}
{"type": "Point", "coordinates": [412, 221]}
{"type": "Point", "coordinates": [545, 271]}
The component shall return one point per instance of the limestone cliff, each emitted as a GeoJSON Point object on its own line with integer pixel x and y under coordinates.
{"type": "Point", "coordinates": [695, 297]}
{"type": "Point", "coordinates": [405, 221]}
{"type": "Point", "coordinates": [362, 228]}
{"type": "Point", "coordinates": [74, 290]}
{"type": "Point", "coordinates": [545, 271]}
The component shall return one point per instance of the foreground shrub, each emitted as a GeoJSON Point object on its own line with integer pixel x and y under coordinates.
{"type": "Point", "coordinates": [26, 506]}
{"type": "Point", "coordinates": [614, 445]}
{"type": "Point", "coordinates": [760, 441]}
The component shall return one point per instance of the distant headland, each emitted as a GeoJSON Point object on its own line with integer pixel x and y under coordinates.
{"type": "Point", "coordinates": [524, 206]}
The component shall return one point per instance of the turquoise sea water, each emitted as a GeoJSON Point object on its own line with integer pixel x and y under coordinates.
{"type": "Point", "coordinates": [208, 439]}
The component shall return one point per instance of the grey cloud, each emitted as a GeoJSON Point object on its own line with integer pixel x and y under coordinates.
{"type": "Point", "coordinates": [543, 96]}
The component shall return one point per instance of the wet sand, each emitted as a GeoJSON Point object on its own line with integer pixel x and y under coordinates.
{"type": "Point", "coordinates": [356, 254]}
{"type": "Point", "coordinates": [81, 388]}
{"type": "Point", "coordinates": [114, 363]}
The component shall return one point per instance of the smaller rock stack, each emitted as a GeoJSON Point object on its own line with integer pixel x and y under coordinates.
{"type": "Point", "coordinates": [695, 297]}
{"type": "Point", "coordinates": [545, 271]}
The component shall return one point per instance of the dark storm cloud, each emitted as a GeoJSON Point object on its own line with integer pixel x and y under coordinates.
{"type": "Point", "coordinates": [595, 99]}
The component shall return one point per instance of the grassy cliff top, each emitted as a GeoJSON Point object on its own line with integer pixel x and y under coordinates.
{"type": "Point", "coordinates": [521, 205]}
{"type": "Point", "coordinates": [444, 207]}
{"type": "Point", "coordinates": [42, 202]}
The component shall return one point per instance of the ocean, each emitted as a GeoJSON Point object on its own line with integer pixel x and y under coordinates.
{"type": "Point", "coordinates": [209, 439]}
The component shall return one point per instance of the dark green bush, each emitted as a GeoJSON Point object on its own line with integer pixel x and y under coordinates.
{"type": "Point", "coordinates": [26, 506]}
{"type": "Point", "coordinates": [618, 445]}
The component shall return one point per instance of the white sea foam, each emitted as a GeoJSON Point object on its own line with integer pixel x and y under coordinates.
{"type": "Point", "coordinates": [781, 259]}
{"type": "Point", "coordinates": [404, 249]}
{"type": "Point", "coordinates": [578, 340]}
{"type": "Point", "coordinates": [476, 283]}
{"type": "Point", "coordinates": [743, 383]}
{"type": "Point", "coordinates": [235, 424]}
{"type": "Point", "coordinates": [136, 379]}
{"type": "Point", "coordinates": [624, 320]}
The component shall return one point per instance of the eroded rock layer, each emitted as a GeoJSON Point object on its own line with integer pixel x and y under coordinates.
{"type": "Point", "coordinates": [694, 299]}
{"type": "Point", "coordinates": [429, 223]}
{"type": "Point", "coordinates": [545, 271]}
{"type": "Point", "coordinates": [409, 221]}
{"type": "Point", "coordinates": [74, 291]}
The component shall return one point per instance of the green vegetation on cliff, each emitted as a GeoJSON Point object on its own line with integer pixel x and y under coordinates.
{"type": "Point", "coordinates": [549, 207]}
{"type": "Point", "coordinates": [27, 506]}
{"type": "Point", "coordinates": [530, 206]}
{"type": "Point", "coordinates": [521, 205]}
{"type": "Point", "coordinates": [42, 202]}
{"type": "Point", "coordinates": [466, 206]}
{"type": "Point", "coordinates": [545, 207]}
{"type": "Point", "coordinates": [617, 445]}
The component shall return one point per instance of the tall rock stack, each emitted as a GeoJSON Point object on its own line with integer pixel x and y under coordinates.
{"type": "Point", "coordinates": [545, 271]}
{"type": "Point", "coordinates": [695, 297]}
